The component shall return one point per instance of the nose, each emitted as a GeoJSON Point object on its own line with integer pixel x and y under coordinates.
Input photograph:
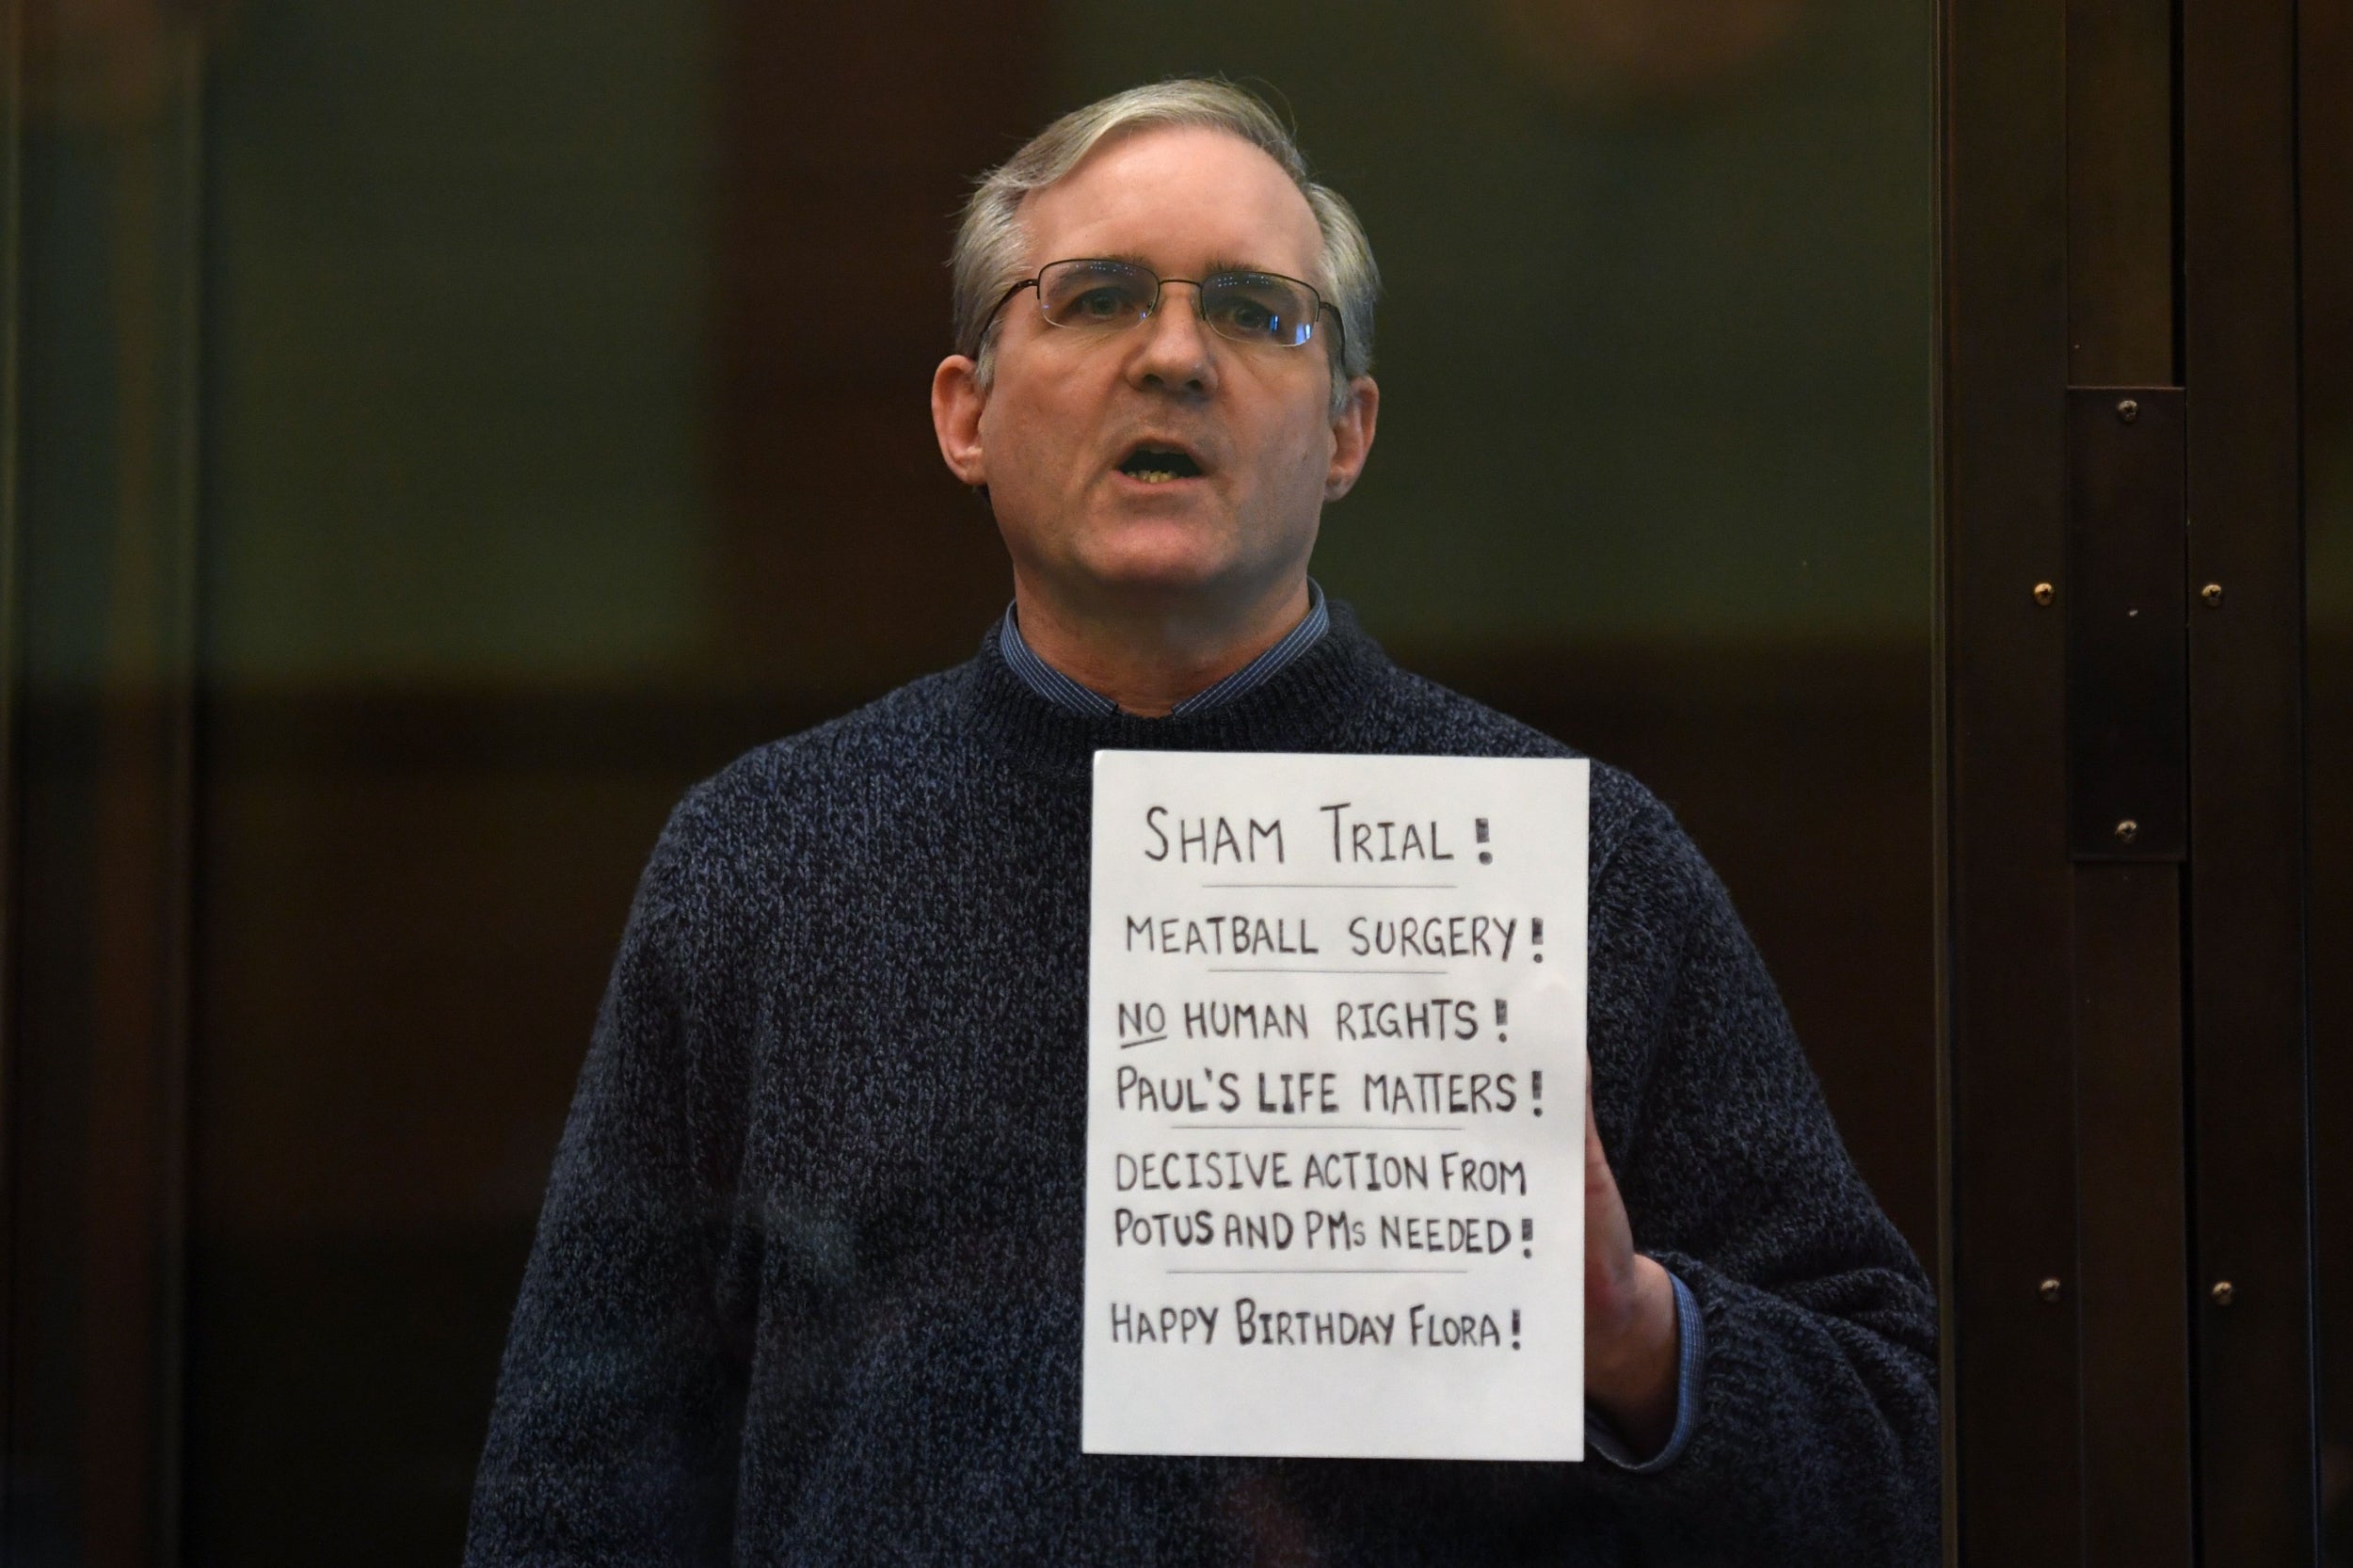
{"type": "Point", "coordinates": [1175, 354]}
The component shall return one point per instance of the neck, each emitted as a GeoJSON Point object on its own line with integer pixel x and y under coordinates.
{"type": "Point", "coordinates": [1149, 657]}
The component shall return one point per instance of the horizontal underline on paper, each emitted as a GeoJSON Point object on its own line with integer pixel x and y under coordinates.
{"type": "Point", "coordinates": [1318, 1270]}
{"type": "Point", "coordinates": [1278, 968]}
{"type": "Point", "coordinates": [1345, 886]}
{"type": "Point", "coordinates": [1302, 1127]}
{"type": "Point", "coordinates": [1147, 1040]}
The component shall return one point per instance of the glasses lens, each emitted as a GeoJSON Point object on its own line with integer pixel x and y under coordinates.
{"type": "Point", "coordinates": [1096, 294]}
{"type": "Point", "coordinates": [1254, 307]}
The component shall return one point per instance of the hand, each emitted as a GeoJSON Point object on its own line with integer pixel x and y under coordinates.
{"type": "Point", "coordinates": [1632, 1334]}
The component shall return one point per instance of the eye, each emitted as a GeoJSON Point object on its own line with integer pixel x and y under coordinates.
{"type": "Point", "coordinates": [1258, 309]}
{"type": "Point", "coordinates": [1096, 293]}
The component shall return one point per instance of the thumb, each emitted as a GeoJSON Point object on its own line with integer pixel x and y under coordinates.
{"type": "Point", "coordinates": [1594, 1154]}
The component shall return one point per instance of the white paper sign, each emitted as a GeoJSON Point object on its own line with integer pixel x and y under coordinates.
{"type": "Point", "coordinates": [1336, 1107]}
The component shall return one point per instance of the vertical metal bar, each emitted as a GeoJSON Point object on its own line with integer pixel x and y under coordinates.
{"type": "Point", "coordinates": [11, 636]}
{"type": "Point", "coordinates": [1941, 808]}
{"type": "Point", "coordinates": [2257, 1481]}
{"type": "Point", "coordinates": [2134, 1255]}
{"type": "Point", "coordinates": [2323, 248]}
{"type": "Point", "coordinates": [2009, 1106]}
{"type": "Point", "coordinates": [2120, 192]}
{"type": "Point", "coordinates": [2132, 1176]}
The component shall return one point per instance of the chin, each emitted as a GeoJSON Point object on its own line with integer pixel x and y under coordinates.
{"type": "Point", "coordinates": [1161, 556]}
{"type": "Point", "coordinates": [1169, 574]}
{"type": "Point", "coordinates": [1154, 555]}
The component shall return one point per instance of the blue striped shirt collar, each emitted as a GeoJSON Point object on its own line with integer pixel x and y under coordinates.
{"type": "Point", "coordinates": [1064, 693]}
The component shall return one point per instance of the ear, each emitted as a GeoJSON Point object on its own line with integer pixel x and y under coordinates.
{"type": "Point", "coordinates": [1351, 437]}
{"type": "Point", "coordinates": [957, 399]}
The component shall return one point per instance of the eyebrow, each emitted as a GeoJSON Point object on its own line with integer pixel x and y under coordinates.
{"type": "Point", "coordinates": [1216, 266]}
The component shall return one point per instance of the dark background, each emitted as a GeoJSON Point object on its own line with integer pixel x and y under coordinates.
{"type": "Point", "coordinates": [547, 384]}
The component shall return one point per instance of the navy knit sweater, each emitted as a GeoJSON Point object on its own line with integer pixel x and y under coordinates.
{"type": "Point", "coordinates": [806, 1285]}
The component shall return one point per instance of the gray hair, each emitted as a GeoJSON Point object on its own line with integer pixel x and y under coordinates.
{"type": "Point", "coordinates": [991, 251]}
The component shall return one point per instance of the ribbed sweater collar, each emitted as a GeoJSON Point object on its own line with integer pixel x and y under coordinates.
{"type": "Point", "coordinates": [1299, 710]}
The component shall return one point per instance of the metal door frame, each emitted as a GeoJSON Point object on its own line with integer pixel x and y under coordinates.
{"type": "Point", "coordinates": [2124, 1167]}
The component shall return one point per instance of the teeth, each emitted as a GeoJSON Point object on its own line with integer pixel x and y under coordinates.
{"type": "Point", "coordinates": [1154, 476]}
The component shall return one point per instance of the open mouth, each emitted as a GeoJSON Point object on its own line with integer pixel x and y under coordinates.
{"type": "Point", "coordinates": [1158, 465]}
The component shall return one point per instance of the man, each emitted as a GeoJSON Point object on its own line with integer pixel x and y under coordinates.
{"type": "Point", "coordinates": [807, 1282]}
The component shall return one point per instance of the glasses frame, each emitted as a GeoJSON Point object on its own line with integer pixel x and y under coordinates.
{"type": "Point", "coordinates": [1159, 284]}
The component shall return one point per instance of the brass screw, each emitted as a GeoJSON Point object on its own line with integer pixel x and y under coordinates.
{"type": "Point", "coordinates": [2044, 592]}
{"type": "Point", "coordinates": [2212, 594]}
{"type": "Point", "coordinates": [2049, 1290]}
{"type": "Point", "coordinates": [2224, 1293]}
{"type": "Point", "coordinates": [2128, 411]}
{"type": "Point", "coordinates": [2127, 830]}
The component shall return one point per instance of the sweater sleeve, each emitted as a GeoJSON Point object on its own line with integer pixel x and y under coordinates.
{"type": "Point", "coordinates": [615, 1433]}
{"type": "Point", "coordinates": [1816, 1434]}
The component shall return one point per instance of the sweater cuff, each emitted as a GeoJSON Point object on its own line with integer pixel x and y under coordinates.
{"type": "Point", "coordinates": [1599, 1436]}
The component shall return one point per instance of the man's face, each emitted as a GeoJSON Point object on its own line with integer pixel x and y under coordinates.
{"type": "Point", "coordinates": [1070, 406]}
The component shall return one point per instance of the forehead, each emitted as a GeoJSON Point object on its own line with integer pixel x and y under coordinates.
{"type": "Point", "coordinates": [1183, 199]}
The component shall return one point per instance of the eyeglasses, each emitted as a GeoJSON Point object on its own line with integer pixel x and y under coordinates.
{"type": "Point", "coordinates": [1100, 295]}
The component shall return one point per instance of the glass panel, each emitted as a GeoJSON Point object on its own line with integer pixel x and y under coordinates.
{"type": "Point", "coordinates": [547, 470]}
{"type": "Point", "coordinates": [457, 567]}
